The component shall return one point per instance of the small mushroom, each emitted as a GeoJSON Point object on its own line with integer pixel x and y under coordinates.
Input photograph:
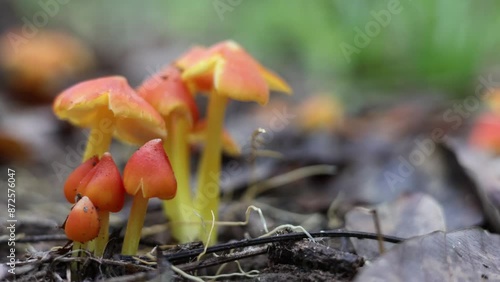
{"type": "Point", "coordinates": [109, 106]}
{"type": "Point", "coordinates": [485, 133]}
{"type": "Point", "coordinates": [82, 224]}
{"type": "Point", "coordinates": [104, 187]}
{"type": "Point", "coordinates": [227, 71]}
{"type": "Point", "coordinates": [76, 176]}
{"type": "Point", "coordinates": [320, 112]}
{"type": "Point", "coordinates": [168, 94]}
{"type": "Point", "coordinates": [37, 66]}
{"type": "Point", "coordinates": [147, 174]}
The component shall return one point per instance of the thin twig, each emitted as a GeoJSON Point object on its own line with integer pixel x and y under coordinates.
{"type": "Point", "coordinates": [378, 230]}
{"type": "Point", "coordinates": [222, 259]}
{"type": "Point", "coordinates": [190, 254]}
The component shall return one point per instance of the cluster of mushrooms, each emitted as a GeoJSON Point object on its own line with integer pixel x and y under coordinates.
{"type": "Point", "coordinates": [161, 116]}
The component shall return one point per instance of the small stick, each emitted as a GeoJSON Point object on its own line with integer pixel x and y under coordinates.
{"type": "Point", "coordinates": [378, 230]}
{"type": "Point", "coordinates": [189, 254]}
{"type": "Point", "coordinates": [191, 266]}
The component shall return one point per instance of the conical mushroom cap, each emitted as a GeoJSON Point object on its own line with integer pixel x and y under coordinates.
{"type": "Point", "coordinates": [148, 172]}
{"type": "Point", "coordinates": [167, 93]}
{"type": "Point", "coordinates": [82, 224]}
{"type": "Point", "coordinates": [104, 186]}
{"type": "Point", "coordinates": [73, 180]}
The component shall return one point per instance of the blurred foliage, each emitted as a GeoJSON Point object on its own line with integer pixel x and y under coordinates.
{"type": "Point", "coordinates": [429, 44]}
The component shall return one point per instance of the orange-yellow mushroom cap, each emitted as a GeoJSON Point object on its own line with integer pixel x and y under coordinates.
{"type": "Point", "coordinates": [320, 112]}
{"type": "Point", "coordinates": [104, 186]}
{"type": "Point", "coordinates": [148, 171]}
{"type": "Point", "coordinates": [229, 70]}
{"type": "Point", "coordinates": [82, 224]}
{"type": "Point", "coordinates": [73, 180]}
{"type": "Point", "coordinates": [167, 93]}
{"type": "Point", "coordinates": [203, 83]}
{"type": "Point", "coordinates": [492, 99]}
{"type": "Point", "coordinates": [85, 105]}
{"type": "Point", "coordinates": [38, 65]}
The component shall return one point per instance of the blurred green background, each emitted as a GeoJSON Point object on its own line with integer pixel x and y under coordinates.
{"type": "Point", "coordinates": [424, 45]}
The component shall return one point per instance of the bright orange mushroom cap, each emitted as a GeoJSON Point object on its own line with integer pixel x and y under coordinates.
{"type": "Point", "coordinates": [53, 57]}
{"type": "Point", "coordinates": [87, 104]}
{"type": "Point", "coordinates": [486, 133]}
{"type": "Point", "coordinates": [229, 70]}
{"type": "Point", "coordinates": [104, 186]}
{"type": "Point", "coordinates": [320, 111]}
{"type": "Point", "coordinates": [73, 180]}
{"type": "Point", "coordinates": [148, 171]}
{"type": "Point", "coordinates": [82, 224]}
{"type": "Point", "coordinates": [167, 93]}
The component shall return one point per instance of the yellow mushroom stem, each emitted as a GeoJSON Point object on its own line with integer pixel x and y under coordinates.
{"type": "Point", "coordinates": [100, 136]}
{"type": "Point", "coordinates": [102, 238]}
{"type": "Point", "coordinates": [134, 225]}
{"type": "Point", "coordinates": [98, 143]}
{"type": "Point", "coordinates": [180, 209]}
{"type": "Point", "coordinates": [208, 190]}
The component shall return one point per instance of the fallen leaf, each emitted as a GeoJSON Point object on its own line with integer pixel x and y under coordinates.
{"type": "Point", "coordinates": [465, 255]}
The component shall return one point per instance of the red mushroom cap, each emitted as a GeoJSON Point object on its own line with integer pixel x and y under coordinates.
{"type": "Point", "coordinates": [82, 224]}
{"type": "Point", "coordinates": [73, 180]}
{"type": "Point", "coordinates": [167, 93]}
{"type": "Point", "coordinates": [486, 133]}
{"type": "Point", "coordinates": [104, 186]}
{"type": "Point", "coordinates": [148, 171]}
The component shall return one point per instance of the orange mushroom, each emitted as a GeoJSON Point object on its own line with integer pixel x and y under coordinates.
{"type": "Point", "coordinates": [320, 112]}
{"type": "Point", "coordinates": [37, 67]}
{"type": "Point", "coordinates": [147, 174]}
{"type": "Point", "coordinates": [76, 176]}
{"type": "Point", "coordinates": [109, 106]}
{"type": "Point", "coordinates": [486, 133]}
{"type": "Point", "coordinates": [104, 186]}
{"type": "Point", "coordinates": [168, 94]}
{"type": "Point", "coordinates": [82, 224]}
{"type": "Point", "coordinates": [227, 71]}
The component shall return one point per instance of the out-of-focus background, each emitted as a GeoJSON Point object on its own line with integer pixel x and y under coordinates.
{"type": "Point", "coordinates": [429, 56]}
{"type": "Point", "coordinates": [355, 48]}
